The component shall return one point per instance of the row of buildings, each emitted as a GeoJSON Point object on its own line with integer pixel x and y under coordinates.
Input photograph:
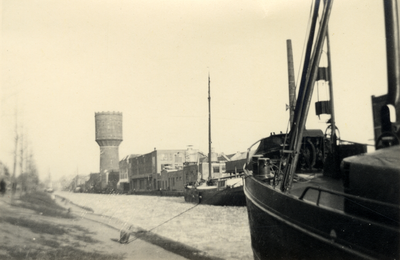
{"type": "Point", "coordinates": [157, 170]}
{"type": "Point", "coordinates": [169, 170]}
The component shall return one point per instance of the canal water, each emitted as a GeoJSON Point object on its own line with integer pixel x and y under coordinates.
{"type": "Point", "coordinates": [218, 231]}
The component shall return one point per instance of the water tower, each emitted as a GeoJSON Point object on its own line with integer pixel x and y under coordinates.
{"type": "Point", "coordinates": [108, 137]}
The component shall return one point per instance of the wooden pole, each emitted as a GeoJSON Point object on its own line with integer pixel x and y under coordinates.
{"type": "Point", "coordinates": [209, 129]}
{"type": "Point", "coordinates": [292, 84]}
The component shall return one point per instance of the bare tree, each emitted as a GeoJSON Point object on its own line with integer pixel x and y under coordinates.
{"type": "Point", "coordinates": [21, 150]}
{"type": "Point", "coordinates": [13, 178]}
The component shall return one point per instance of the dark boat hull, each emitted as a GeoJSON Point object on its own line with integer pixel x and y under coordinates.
{"type": "Point", "coordinates": [224, 197]}
{"type": "Point", "coordinates": [285, 227]}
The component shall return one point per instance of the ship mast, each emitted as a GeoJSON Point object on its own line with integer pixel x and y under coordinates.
{"type": "Point", "coordinates": [393, 52]}
{"type": "Point", "coordinates": [390, 133]}
{"type": "Point", "coordinates": [292, 85]}
{"type": "Point", "coordinates": [209, 129]}
{"type": "Point", "coordinates": [303, 102]}
{"type": "Point", "coordinates": [332, 108]}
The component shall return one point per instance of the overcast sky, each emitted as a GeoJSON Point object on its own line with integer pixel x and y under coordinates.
{"type": "Point", "coordinates": [62, 61]}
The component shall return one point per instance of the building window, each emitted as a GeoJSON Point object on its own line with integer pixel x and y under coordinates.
{"type": "Point", "coordinates": [165, 157]}
{"type": "Point", "coordinates": [166, 166]}
{"type": "Point", "coordinates": [216, 169]}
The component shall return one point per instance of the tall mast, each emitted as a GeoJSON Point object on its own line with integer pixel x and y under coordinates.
{"type": "Point", "coordinates": [292, 85]}
{"type": "Point", "coordinates": [303, 103]}
{"type": "Point", "coordinates": [209, 129]}
{"type": "Point", "coordinates": [388, 128]}
{"type": "Point", "coordinates": [300, 99]}
{"type": "Point", "coordinates": [333, 120]}
{"type": "Point", "coordinates": [393, 52]}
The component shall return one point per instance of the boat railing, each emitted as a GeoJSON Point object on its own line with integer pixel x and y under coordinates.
{"type": "Point", "coordinates": [352, 198]}
{"type": "Point", "coordinates": [239, 175]}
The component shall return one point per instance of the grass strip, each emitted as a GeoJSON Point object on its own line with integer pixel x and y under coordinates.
{"type": "Point", "coordinates": [42, 203]}
{"type": "Point", "coordinates": [34, 226]}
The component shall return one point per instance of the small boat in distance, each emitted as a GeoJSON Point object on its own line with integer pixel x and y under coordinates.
{"type": "Point", "coordinates": [224, 191]}
{"type": "Point", "coordinates": [312, 195]}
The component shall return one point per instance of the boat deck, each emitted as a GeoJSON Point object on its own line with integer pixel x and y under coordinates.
{"type": "Point", "coordinates": [318, 181]}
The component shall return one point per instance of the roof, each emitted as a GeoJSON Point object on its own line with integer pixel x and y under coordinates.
{"type": "Point", "coordinates": [239, 156]}
{"type": "Point", "coordinates": [230, 155]}
{"type": "Point", "coordinates": [130, 156]}
{"type": "Point", "coordinates": [223, 157]}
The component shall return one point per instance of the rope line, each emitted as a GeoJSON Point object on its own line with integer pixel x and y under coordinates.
{"type": "Point", "coordinates": [183, 212]}
{"type": "Point", "coordinates": [168, 220]}
{"type": "Point", "coordinates": [139, 234]}
{"type": "Point", "coordinates": [174, 217]}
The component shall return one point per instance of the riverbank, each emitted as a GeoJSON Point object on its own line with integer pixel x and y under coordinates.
{"type": "Point", "coordinates": [39, 230]}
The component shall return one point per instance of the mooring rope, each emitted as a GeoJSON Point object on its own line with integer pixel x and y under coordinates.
{"type": "Point", "coordinates": [181, 213]}
{"type": "Point", "coordinates": [168, 220]}
{"type": "Point", "coordinates": [126, 225]}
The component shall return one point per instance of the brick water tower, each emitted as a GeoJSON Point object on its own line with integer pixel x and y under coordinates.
{"type": "Point", "coordinates": [108, 137]}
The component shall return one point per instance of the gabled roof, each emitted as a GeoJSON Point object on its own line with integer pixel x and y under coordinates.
{"type": "Point", "coordinates": [223, 157]}
{"type": "Point", "coordinates": [239, 156]}
{"type": "Point", "coordinates": [230, 155]}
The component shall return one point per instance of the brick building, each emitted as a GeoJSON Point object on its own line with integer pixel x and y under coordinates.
{"type": "Point", "coordinates": [168, 169]}
{"type": "Point", "coordinates": [144, 170]}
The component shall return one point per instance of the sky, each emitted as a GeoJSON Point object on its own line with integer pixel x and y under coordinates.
{"type": "Point", "coordinates": [62, 61]}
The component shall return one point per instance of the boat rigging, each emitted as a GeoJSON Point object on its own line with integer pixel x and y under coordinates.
{"type": "Point", "coordinates": [309, 194]}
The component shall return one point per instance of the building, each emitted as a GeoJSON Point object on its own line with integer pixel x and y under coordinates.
{"type": "Point", "coordinates": [236, 162]}
{"type": "Point", "coordinates": [169, 170]}
{"type": "Point", "coordinates": [112, 181]}
{"type": "Point", "coordinates": [196, 171]}
{"type": "Point", "coordinates": [93, 184]}
{"type": "Point", "coordinates": [108, 137]}
{"type": "Point", "coordinates": [171, 180]}
{"type": "Point", "coordinates": [217, 165]}
{"type": "Point", "coordinates": [156, 170]}
{"type": "Point", "coordinates": [144, 169]}
{"type": "Point", "coordinates": [125, 171]}
{"type": "Point", "coordinates": [191, 173]}
{"type": "Point", "coordinates": [174, 178]}
{"type": "Point", "coordinates": [78, 183]}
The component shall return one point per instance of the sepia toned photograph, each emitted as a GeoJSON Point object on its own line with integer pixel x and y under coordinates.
{"type": "Point", "coordinates": [202, 130]}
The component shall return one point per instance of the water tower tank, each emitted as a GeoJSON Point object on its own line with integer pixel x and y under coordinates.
{"type": "Point", "coordinates": [108, 137]}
